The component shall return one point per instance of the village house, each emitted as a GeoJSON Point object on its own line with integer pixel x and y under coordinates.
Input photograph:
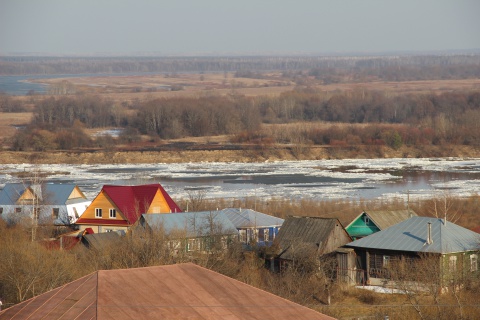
{"type": "Point", "coordinates": [116, 208]}
{"type": "Point", "coordinates": [303, 238]}
{"type": "Point", "coordinates": [181, 291]}
{"type": "Point", "coordinates": [254, 227]}
{"type": "Point", "coordinates": [188, 232]}
{"type": "Point", "coordinates": [47, 203]}
{"type": "Point", "coordinates": [451, 249]}
{"type": "Point", "coordinates": [370, 222]}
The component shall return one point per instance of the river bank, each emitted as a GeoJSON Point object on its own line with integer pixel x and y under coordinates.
{"type": "Point", "coordinates": [247, 155]}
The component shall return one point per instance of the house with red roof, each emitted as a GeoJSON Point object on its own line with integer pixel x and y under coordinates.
{"type": "Point", "coordinates": [119, 207]}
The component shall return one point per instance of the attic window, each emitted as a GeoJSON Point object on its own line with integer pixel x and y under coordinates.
{"type": "Point", "coordinates": [113, 213]}
{"type": "Point", "coordinates": [98, 212]}
{"type": "Point", "coordinates": [367, 220]}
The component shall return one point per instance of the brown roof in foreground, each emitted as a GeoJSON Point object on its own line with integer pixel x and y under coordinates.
{"type": "Point", "coordinates": [165, 292]}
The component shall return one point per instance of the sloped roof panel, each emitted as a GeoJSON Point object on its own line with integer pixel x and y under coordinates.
{"type": "Point", "coordinates": [181, 291]}
{"type": "Point", "coordinates": [247, 218]}
{"type": "Point", "coordinates": [132, 201]}
{"type": "Point", "coordinates": [385, 219]}
{"type": "Point", "coordinates": [304, 234]}
{"type": "Point", "coordinates": [411, 235]}
{"type": "Point", "coordinates": [194, 224]}
{"type": "Point", "coordinates": [11, 192]}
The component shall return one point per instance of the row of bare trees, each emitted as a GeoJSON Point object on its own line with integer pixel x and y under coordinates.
{"type": "Point", "coordinates": [404, 67]}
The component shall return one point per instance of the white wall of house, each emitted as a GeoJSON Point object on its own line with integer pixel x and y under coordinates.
{"type": "Point", "coordinates": [47, 214]}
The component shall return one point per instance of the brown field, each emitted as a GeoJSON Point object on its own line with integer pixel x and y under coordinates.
{"type": "Point", "coordinates": [127, 88]}
{"type": "Point", "coordinates": [8, 122]}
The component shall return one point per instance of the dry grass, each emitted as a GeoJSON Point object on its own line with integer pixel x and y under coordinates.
{"type": "Point", "coordinates": [8, 122]}
{"type": "Point", "coordinates": [127, 88]}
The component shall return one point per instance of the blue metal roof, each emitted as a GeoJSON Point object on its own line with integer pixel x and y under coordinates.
{"type": "Point", "coordinates": [194, 224]}
{"type": "Point", "coordinates": [411, 235]}
{"type": "Point", "coordinates": [247, 218]}
{"type": "Point", "coordinates": [50, 193]}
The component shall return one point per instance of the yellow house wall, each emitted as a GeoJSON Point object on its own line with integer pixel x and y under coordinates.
{"type": "Point", "coordinates": [76, 193]}
{"type": "Point", "coordinates": [104, 203]}
{"type": "Point", "coordinates": [27, 195]}
{"type": "Point", "coordinates": [159, 204]}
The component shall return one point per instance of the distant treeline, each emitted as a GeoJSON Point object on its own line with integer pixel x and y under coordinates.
{"type": "Point", "coordinates": [405, 67]}
{"type": "Point", "coordinates": [451, 117]}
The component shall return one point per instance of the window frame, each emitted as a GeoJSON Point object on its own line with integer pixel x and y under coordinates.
{"type": "Point", "coordinates": [98, 213]}
{"type": "Point", "coordinates": [473, 262]}
{"type": "Point", "coordinates": [112, 213]}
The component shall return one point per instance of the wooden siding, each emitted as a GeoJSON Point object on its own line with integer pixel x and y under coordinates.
{"type": "Point", "coordinates": [359, 228]}
{"type": "Point", "coordinates": [104, 203]}
{"type": "Point", "coordinates": [76, 193]}
{"type": "Point", "coordinates": [158, 204]}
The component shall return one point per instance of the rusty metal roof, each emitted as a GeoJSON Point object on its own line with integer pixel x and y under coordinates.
{"type": "Point", "coordinates": [182, 291]}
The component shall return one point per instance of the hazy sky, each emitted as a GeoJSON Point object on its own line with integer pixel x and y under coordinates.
{"type": "Point", "coordinates": [240, 26]}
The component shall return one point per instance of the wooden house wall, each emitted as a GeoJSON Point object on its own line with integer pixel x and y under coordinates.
{"type": "Point", "coordinates": [76, 194]}
{"type": "Point", "coordinates": [337, 238]}
{"type": "Point", "coordinates": [158, 204]}
{"type": "Point", "coordinates": [359, 228]}
{"type": "Point", "coordinates": [104, 203]}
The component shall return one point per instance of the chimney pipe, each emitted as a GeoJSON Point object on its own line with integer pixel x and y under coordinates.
{"type": "Point", "coordinates": [429, 235]}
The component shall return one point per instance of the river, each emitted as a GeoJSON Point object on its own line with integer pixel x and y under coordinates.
{"type": "Point", "coordinates": [353, 179]}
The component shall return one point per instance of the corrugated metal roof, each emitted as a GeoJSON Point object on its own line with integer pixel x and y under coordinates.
{"type": "Point", "coordinates": [49, 193]}
{"type": "Point", "coordinates": [194, 224]}
{"type": "Point", "coordinates": [11, 192]}
{"type": "Point", "coordinates": [182, 291]}
{"type": "Point", "coordinates": [304, 235]}
{"type": "Point", "coordinates": [411, 235]}
{"type": "Point", "coordinates": [247, 218]}
{"type": "Point", "coordinates": [384, 219]}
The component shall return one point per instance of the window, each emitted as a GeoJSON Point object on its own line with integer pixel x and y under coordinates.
{"type": "Point", "coordinates": [192, 245]}
{"type": "Point", "coordinates": [108, 230]}
{"type": "Point", "coordinates": [1, 210]}
{"type": "Point", "coordinates": [98, 212]}
{"type": "Point", "coordinates": [452, 263]}
{"type": "Point", "coordinates": [18, 209]}
{"type": "Point", "coordinates": [386, 261]}
{"type": "Point", "coordinates": [266, 234]}
{"type": "Point", "coordinates": [55, 212]}
{"type": "Point", "coordinates": [243, 236]}
{"type": "Point", "coordinates": [112, 213]}
{"type": "Point", "coordinates": [367, 220]}
{"type": "Point", "coordinates": [473, 262]}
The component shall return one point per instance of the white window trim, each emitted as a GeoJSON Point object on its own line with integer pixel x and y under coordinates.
{"type": "Point", "coordinates": [110, 211]}
{"type": "Point", "coordinates": [98, 210]}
